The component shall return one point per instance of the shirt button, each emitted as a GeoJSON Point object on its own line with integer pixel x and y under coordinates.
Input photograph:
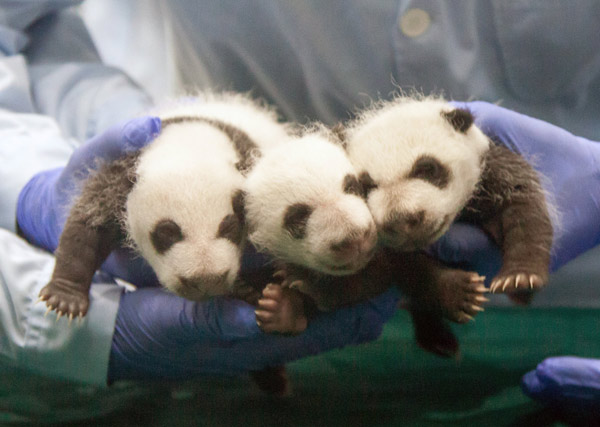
{"type": "Point", "coordinates": [414, 22]}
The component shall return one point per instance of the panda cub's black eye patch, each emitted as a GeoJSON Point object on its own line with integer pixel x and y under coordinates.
{"type": "Point", "coordinates": [165, 234]}
{"type": "Point", "coordinates": [367, 183]}
{"type": "Point", "coordinates": [295, 219]}
{"type": "Point", "coordinates": [352, 186]}
{"type": "Point", "coordinates": [231, 229]}
{"type": "Point", "coordinates": [430, 169]}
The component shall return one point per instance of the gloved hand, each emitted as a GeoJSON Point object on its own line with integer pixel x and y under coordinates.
{"type": "Point", "coordinates": [161, 335]}
{"type": "Point", "coordinates": [44, 202]}
{"type": "Point", "coordinates": [570, 171]}
{"type": "Point", "coordinates": [571, 384]}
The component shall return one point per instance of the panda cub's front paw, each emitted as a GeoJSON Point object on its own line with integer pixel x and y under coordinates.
{"type": "Point", "coordinates": [281, 310]}
{"type": "Point", "coordinates": [516, 278]}
{"type": "Point", "coordinates": [66, 298]}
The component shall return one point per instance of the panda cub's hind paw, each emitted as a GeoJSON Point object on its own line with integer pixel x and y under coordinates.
{"type": "Point", "coordinates": [461, 295]}
{"type": "Point", "coordinates": [66, 298]}
{"type": "Point", "coordinates": [281, 310]}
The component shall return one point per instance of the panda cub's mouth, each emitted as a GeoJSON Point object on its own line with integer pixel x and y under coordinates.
{"type": "Point", "coordinates": [349, 267]}
{"type": "Point", "coordinates": [415, 241]}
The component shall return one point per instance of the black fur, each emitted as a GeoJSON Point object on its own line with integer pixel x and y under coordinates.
{"type": "Point", "coordinates": [295, 219]}
{"type": "Point", "coordinates": [231, 229]}
{"type": "Point", "coordinates": [238, 202]}
{"type": "Point", "coordinates": [429, 169]}
{"type": "Point", "coordinates": [367, 183]}
{"type": "Point", "coordinates": [460, 119]}
{"type": "Point", "coordinates": [352, 186]}
{"type": "Point", "coordinates": [165, 234]}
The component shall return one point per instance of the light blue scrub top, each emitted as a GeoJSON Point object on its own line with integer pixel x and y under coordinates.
{"type": "Point", "coordinates": [314, 59]}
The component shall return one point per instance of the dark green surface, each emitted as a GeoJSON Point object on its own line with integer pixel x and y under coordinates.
{"type": "Point", "coordinates": [391, 381]}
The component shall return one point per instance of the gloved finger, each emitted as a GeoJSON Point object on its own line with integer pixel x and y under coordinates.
{"type": "Point", "coordinates": [113, 144]}
{"type": "Point", "coordinates": [170, 318]}
{"type": "Point", "coordinates": [223, 318]}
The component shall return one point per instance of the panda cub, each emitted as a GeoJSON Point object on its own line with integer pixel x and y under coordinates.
{"type": "Point", "coordinates": [178, 202]}
{"type": "Point", "coordinates": [305, 206]}
{"type": "Point", "coordinates": [426, 164]}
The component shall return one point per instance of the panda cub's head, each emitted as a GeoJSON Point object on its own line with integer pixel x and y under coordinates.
{"type": "Point", "coordinates": [420, 161]}
{"type": "Point", "coordinates": [304, 205]}
{"type": "Point", "coordinates": [184, 213]}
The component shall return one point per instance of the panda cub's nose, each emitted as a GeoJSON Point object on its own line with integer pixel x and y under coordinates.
{"type": "Point", "coordinates": [403, 224]}
{"type": "Point", "coordinates": [357, 248]}
{"type": "Point", "coordinates": [210, 284]}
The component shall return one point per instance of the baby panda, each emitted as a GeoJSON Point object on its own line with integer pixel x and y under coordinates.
{"type": "Point", "coordinates": [178, 202]}
{"type": "Point", "coordinates": [305, 206]}
{"type": "Point", "coordinates": [424, 164]}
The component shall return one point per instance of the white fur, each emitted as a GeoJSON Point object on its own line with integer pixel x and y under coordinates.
{"type": "Point", "coordinates": [188, 175]}
{"type": "Point", "coordinates": [309, 170]}
{"type": "Point", "coordinates": [258, 121]}
{"type": "Point", "coordinates": [388, 139]}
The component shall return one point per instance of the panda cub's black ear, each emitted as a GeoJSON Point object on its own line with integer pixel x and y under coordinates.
{"type": "Point", "coordinates": [461, 119]}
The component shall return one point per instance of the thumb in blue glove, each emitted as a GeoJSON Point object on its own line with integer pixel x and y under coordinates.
{"type": "Point", "coordinates": [569, 169]}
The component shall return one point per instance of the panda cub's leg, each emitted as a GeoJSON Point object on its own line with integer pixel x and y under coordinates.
{"type": "Point", "coordinates": [91, 232]}
{"type": "Point", "coordinates": [80, 252]}
{"type": "Point", "coordinates": [517, 218]}
{"type": "Point", "coordinates": [437, 293]}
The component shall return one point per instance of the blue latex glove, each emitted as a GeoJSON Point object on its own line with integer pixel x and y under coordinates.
{"type": "Point", "coordinates": [44, 202]}
{"type": "Point", "coordinates": [160, 335]}
{"type": "Point", "coordinates": [569, 166]}
{"type": "Point", "coordinates": [571, 384]}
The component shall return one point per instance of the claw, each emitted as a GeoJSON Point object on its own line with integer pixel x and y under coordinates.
{"type": "Point", "coordinates": [477, 308]}
{"type": "Point", "coordinates": [70, 318]}
{"type": "Point", "coordinates": [48, 310]}
{"type": "Point", "coordinates": [482, 289]}
{"type": "Point", "coordinates": [295, 284]}
{"type": "Point", "coordinates": [530, 282]}
{"type": "Point", "coordinates": [469, 317]}
{"type": "Point", "coordinates": [481, 299]}
{"type": "Point", "coordinates": [80, 318]}
{"type": "Point", "coordinates": [40, 299]}
{"type": "Point", "coordinates": [506, 282]}
{"type": "Point", "coordinates": [58, 316]}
